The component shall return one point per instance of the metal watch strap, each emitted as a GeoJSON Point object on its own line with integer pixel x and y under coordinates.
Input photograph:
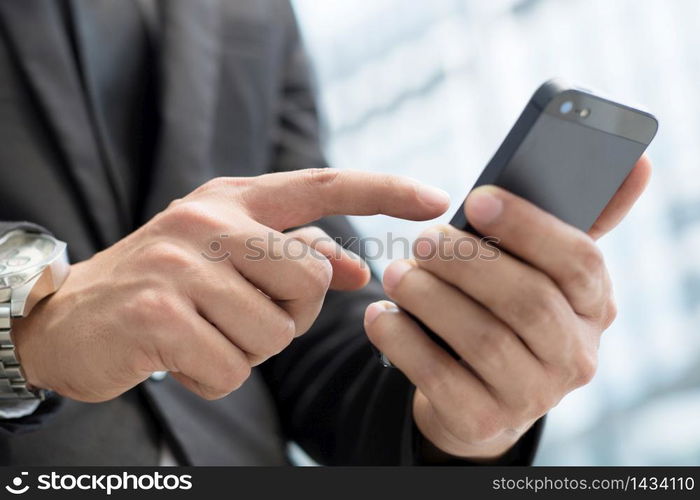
{"type": "Point", "coordinates": [13, 386]}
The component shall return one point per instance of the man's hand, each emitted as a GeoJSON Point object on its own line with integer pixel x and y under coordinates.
{"type": "Point", "coordinates": [153, 301]}
{"type": "Point", "coordinates": [526, 325]}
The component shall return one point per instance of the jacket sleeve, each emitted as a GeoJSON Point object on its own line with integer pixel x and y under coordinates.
{"type": "Point", "coordinates": [26, 420]}
{"type": "Point", "coordinates": [335, 399]}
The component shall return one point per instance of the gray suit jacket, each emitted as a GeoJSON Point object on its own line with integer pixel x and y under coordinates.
{"type": "Point", "coordinates": [231, 95]}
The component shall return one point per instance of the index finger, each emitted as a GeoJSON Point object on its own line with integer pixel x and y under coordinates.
{"type": "Point", "coordinates": [289, 199]}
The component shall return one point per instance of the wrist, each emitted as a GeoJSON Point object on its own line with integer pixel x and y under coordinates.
{"type": "Point", "coordinates": [440, 445]}
{"type": "Point", "coordinates": [27, 338]}
{"type": "Point", "coordinates": [482, 453]}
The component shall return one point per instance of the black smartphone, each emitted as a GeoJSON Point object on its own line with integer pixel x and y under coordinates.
{"type": "Point", "coordinates": [568, 153]}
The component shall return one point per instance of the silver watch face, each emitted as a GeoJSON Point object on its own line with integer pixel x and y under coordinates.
{"type": "Point", "coordinates": [21, 251]}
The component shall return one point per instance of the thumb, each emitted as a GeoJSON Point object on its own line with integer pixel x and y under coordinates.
{"type": "Point", "coordinates": [350, 272]}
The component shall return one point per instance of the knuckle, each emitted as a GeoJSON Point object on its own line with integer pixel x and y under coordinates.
{"type": "Point", "coordinates": [157, 305]}
{"type": "Point", "coordinates": [591, 255]}
{"type": "Point", "coordinates": [493, 346]}
{"type": "Point", "coordinates": [535, 400]}
{"type": "Point", "coordinates": [170, 257]}
{"type": "Point", "coordinates": [281, 336]}
{"type": "Point", "coordinates": [316, 177]}
{"type": "Point", "coordinates": [537, 308]}
{"type": "Point", "coordinates": [546, 305]}
{"type": "Point", "coordinates": [540, 405]}
{"type": "Point", "coordinates": [213, 393]}
{"type": "Point", "coordinates": [310, 237]}
{"type": "Point", "coordinates": [434, 377]}
{"type": "Point", "coordinates": [610, 312]}
{"type": "Point", "coordinates": [191, 215]}
{"type": "Point", "coordinates": [318, 274]}
{"type": "Point", "coordinates": [235, 373]}
{"type": "Point", "coordinates": [145, 358]}
{"type": "Point", "coordinates": [208, 392]}
{"type": "Point", "coordinates": [231, 375]}
{"type": "Point", "coordinates": [587, 266]}
{"type": "Point", "coordinates": [222, 183]}
{"type": "Point", "coordinates": [315, 234]}
{"type": "Point", "coordinates": [486, 425]}
{"type": "Point", "coordinates": [174, 203]}
{"type": "Point", "coordinates": [584, 368]}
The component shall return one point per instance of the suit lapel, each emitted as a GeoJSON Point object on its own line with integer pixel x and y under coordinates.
{"type": "Point", "coordinates": [190, 59]}
{"type": "Point", "coordinates": [36, 34]}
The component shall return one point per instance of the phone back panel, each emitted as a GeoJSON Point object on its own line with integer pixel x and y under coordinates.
{"type": "Point", "coordinates": [568, 165]}
{"type": "Point", "coordinates": [569, 170]}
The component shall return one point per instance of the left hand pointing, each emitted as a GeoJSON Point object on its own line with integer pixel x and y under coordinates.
{"type": "Point", "coordinates": [527, 325]}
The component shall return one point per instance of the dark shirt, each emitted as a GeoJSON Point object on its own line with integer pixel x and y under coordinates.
{"type": "Point", "coordinates": [128, 124]}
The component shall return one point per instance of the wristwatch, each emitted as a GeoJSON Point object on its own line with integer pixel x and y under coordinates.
{"type": "Point", "coordinates": [33, 265]}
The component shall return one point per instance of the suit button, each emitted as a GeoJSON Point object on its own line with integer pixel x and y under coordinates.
{"type": "Point", "coordinates": [158, 376]}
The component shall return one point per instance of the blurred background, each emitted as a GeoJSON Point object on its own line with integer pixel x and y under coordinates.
{"type": "Point", "coordinates": [429, 90]}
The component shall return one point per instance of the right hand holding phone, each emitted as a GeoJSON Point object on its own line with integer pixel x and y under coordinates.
{"type": "Point", "coordinates": [526, 325]}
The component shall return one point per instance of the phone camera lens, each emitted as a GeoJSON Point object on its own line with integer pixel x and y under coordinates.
{"type": "Point", "coordinates": [566, 107]}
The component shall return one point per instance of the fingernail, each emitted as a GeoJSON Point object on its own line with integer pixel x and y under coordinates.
{"type": "Point", "coordinates": [375, 309]}
{"type": "Point", "coordinates": [483, 207]}
{"type": "Point", "coordinates": [433, 196]}
{"type": "Point", "coordinates": [427, 244]}
{"type": "Point", "coordinates": [394, 273]}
